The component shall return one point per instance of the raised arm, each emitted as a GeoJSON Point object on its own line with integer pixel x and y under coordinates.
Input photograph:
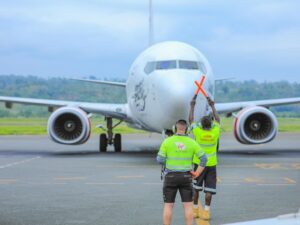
{"type": "Point", "coordinates": [192, 109]}
{"type": "Point", "coordinates": [215, 113]}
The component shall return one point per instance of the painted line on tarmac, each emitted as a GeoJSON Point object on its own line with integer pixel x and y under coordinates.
{"type": "Point", "coordinates": [269, 166]}
{"type": "Point", "coordinates": [131, 177]}
{"type": "Point", "coordinates": [264, 181]}
{"type": "Point", "coordinates": [296, 166]}
{"type": "Point", "coordinates": [266, 166]}
{"type": "Point", "coordinates": [19, 162]}
{"type": "Point", "coordinates": [8, 181]}
{"type": "Point", "coordinates": [275, 184]}
{"type": "Point", "coordinates": [290, 180]}
{"type": "Point", "coordinates": [236, 166]}
{"type": "Point", "coordinates": [154, 183]}
{"type": "Point", "coordinates": [69, 178]}
{"type": "Point", "coordinates": [103, 183]}
{"type": "Point", "coordinates": [126, 166]}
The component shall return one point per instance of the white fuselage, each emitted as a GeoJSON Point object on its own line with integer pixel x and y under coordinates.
{"type": "Point", "coordinates": [161, 85]}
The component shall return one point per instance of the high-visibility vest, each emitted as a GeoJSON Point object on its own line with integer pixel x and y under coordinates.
{"type": "Point", "coordinates": [208, 141]}
{"type": "Point", "coordinates": [179, 152]}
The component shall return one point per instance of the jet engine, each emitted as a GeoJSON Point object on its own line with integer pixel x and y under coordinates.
{"type": "Point", "coordinates": [255, 125]}
{"type": "Point", "coordinates": [69, 125]}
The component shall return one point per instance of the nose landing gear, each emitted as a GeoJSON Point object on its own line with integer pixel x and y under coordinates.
{"type": "Point", "coordinates": [109, 138]}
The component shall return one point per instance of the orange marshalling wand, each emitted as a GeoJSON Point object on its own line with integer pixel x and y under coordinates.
{"type": "Point", "coordinates": [199, 85]}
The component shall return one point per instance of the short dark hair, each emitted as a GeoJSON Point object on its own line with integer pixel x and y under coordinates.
{"type": "Point", "coordinates": [181, 122]}
{"type": "Point", "coordinates": [206, 121]}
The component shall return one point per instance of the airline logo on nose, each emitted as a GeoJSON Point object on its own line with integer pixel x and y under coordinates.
{"type": "Point", "coordinates": [180, 146]}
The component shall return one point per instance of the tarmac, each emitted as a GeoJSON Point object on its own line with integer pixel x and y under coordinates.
{"type": "Point", "coordinates": [45, 183]}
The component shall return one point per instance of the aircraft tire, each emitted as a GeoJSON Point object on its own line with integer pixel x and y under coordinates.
{"type": "Point", "coordinates": [118, 143]}
{"type": "Point", "coordinates": [103, 143]}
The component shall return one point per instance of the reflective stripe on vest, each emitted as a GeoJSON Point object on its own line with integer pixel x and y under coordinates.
{"type": "Point", "coordinates": [178, 168]}
{"type": "Point", "coordinates": [208, 145]}
{"type": "Point", "coordinates": [211, 155]}
{"type": "Point", "coordinates": [180, 159]}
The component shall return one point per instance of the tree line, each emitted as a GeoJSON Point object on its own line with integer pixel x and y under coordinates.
{"type": "Point", "coordinates": [66, 89]}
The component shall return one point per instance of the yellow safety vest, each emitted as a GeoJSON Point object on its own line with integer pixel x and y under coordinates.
{"type": "Point", "coordinates": [208, 141]}
{"type": "Point", "coordinates": [179, 152]}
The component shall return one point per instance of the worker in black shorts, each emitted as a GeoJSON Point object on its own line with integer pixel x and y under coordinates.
{"type": "Point", "coordinates": [176, 153]}
{"type": "Point", "coordinates": [207, 136]}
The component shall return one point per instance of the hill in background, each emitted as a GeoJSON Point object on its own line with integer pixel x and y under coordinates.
{"type": "Point", "coordinates": [64, 89]}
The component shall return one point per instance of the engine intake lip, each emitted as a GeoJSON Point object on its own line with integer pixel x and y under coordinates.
{"type": "Point", "coordinates": [69, 125]}
{"type": "Point", "coordinates": [255, 125]}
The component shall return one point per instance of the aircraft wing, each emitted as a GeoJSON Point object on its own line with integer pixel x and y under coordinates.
{"type": "Point", "coordinates": [118, 111]}
{"type": "Point", "coordinates": [236, 106]}
{"type": "Point", "coordinates": [111, 83]}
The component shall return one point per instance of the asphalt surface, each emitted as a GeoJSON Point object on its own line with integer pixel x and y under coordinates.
{"type": "Point", "coordinates": [45, 183]}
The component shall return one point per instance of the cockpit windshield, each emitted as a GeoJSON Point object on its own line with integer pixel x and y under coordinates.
{"type": "Point", "coordinates": [190, 65]}
{"type": "Point", "coordinates": [166, 65]}
{"type": "Point", "coordinates": [174, 64]}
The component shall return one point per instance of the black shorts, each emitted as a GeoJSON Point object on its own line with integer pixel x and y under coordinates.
{"type": "Point", "coordinates": [181, 181]}
{"type": "Point", "coordinates": [209, 178]}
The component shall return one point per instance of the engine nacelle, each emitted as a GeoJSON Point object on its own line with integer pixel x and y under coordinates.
{"type": "Point", "coordinates": [255, 125]}
{"type": "Point", "coordinates": [69, 125]}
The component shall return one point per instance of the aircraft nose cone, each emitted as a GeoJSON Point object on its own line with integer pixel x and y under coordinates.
{"type": "Point", "coordinates": [177, 93]}
{"type": "Point", "coordinates": [180, 94]}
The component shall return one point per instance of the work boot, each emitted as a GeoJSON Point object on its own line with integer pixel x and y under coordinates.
{"type": "Point", "coordinates": [196, 213]}
{"type": "Point", "coordinates": [200, 208]}
{"type": "Point", "coordinates": [202, 222]}
{"type": "Point", "coordinates": [205, 215]}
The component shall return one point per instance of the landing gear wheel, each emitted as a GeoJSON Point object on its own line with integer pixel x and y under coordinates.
{"type": "Point", "coordinates": [118, 143]}
{"type": "Point", "coordinates": [103, 143]}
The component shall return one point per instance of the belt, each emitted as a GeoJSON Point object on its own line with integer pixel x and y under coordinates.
{"type": "Point", "coordinates": [179, 173]}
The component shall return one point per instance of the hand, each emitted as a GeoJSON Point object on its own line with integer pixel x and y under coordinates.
{"type": "Point", "coordinates": [195, 174]}
{"type": "Point", "coordinates": [193, 102]}
{"type": "Point", "coordinates": [210, 102]}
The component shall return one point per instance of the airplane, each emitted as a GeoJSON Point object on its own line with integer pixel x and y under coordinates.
{"type": "Point", "coordinates": [159, 89]}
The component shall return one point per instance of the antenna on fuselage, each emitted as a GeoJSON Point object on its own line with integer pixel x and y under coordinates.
{"type": "Point", "coordinates": [151, 36]}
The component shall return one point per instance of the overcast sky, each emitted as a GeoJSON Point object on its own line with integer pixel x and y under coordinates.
{"type": "Point", "coordinates": [249, 39]}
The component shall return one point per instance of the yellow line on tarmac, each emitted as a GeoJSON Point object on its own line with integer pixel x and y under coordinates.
{"type": "Point", "coordinates": [69, 178]}
{"type": "Point", "coordinates": [270, 166]}
{"type": "Point", "coordinates": [296, 166]}
{"type": "Point", "coordinates": [236, 166]}
{"type": "Point", "coordinates": [129, 177]}
{"type": "Point", "coordinates": [290, 181]}
{"type": "Point", "coordinates": [8, 181]}
{"type": "Point", "coordinates": [254, 180]}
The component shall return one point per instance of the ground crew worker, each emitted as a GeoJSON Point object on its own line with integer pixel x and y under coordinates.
{"type": "Point", "coordinates": [207, 135]}
{"type": "Point", "coordinates": [176, 153]}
